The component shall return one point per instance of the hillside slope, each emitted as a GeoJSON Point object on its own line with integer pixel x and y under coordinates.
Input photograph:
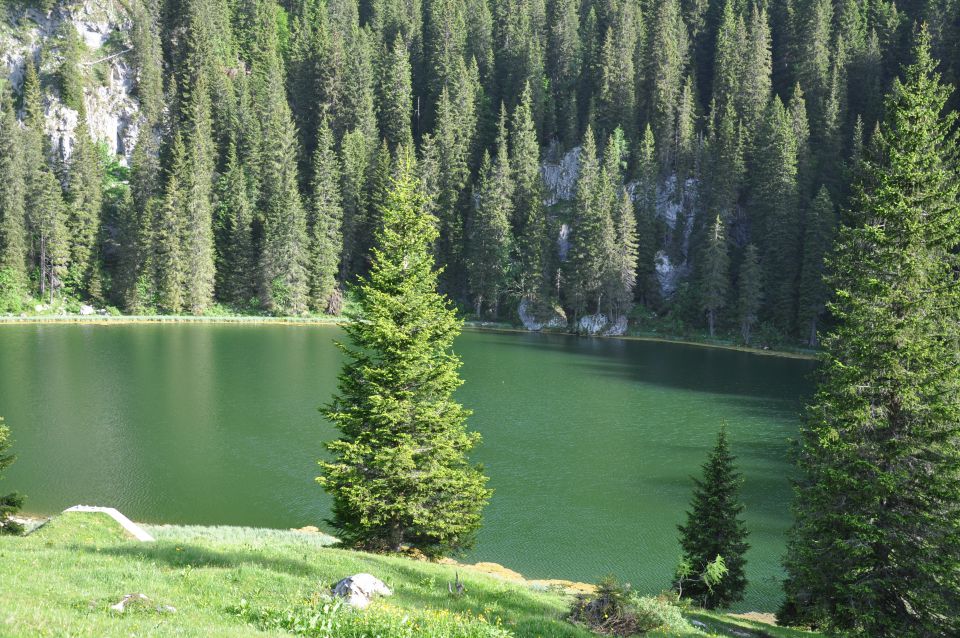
{"type": "Point", "coordinates": [62, 579]}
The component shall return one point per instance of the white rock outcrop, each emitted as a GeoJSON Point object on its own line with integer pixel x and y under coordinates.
{"type": "Point", "coordinates": [112, 110]}
{"type": "Point", "coordinates": [536, 318]}
{"type": "Point", "coordinates": [560, 176]}
{"type": "Point", "coordinates": [358, 590]}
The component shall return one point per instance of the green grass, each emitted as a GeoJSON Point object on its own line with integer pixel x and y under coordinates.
{"type": "Point", "coordinates": [62, 579]}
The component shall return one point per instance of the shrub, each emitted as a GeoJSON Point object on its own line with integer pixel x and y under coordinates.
{"type": "Point", "coordinates": [12, 291]}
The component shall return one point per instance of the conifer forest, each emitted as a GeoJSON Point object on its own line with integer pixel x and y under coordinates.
{"type": "Point", "coordinates": [684, 160]}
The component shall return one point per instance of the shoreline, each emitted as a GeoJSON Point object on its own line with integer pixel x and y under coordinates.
{"type": "Point", "coordinates": [477, 326]}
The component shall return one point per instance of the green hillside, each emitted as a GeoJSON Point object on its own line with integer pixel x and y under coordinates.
{"type": "Point", "coordinates": [62, 579]}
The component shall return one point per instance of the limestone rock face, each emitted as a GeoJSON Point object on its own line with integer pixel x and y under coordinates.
{"type": "Point", "coordinates": [103, 27]}
{"type": "Point", "coordinates": [537, 317]}
{"type": "Point", "coordinates": [358, 590]}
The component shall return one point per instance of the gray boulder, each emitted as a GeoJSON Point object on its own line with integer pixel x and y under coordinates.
{"type": "Point", "coordinates": [358, 590]}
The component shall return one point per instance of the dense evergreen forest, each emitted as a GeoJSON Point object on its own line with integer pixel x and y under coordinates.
{"type": "Point", "coordinates": [709, 148]}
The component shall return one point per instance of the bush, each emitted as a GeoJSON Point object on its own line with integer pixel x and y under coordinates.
{"type": "Point", "coordinates": [616, 611]}
{"type": "Point", "coordinates": [325, 617]}
{"type": "Point", "coordinates": [12, 291]}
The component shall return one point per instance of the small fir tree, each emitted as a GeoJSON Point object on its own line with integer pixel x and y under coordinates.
{"type": "Point", "coordinates": [714, 529]}
{"type": "Point", "coordinates": [399, 474]}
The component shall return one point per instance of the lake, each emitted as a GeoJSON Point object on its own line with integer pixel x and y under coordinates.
{"type": "Point", "coordinates": [589, 443]}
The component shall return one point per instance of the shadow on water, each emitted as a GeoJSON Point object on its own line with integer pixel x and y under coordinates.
{"type": "Point", "coordinates": [681, 366]}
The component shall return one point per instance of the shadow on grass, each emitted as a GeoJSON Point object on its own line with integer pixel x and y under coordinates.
{"type": "Point", "coordinates": [185, 555]}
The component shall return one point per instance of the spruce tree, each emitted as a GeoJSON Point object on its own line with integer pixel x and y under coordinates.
{"type": "Point", "coordinates": [324, 225]}
{"type": "Point", "coordinates": [714, 528]}
{"type": "Point", "coordinates": [774, 208]}
{"type": "Point", "coordinates": [283, 256]}
{"type": "Point", "coordinates": [356, 157]}
{"type": "Point", "coordinates": [591, 235]}
{"type": "Point", "coordinates": [490, 241]}
{"type": "Point", "coordinates": [648, 239]}
{"type": "Point", "coordinates": [399, 475]}
{"type": "Point", "coordinates": [749, 292]}
{"type": "Point", "coordinates": [166, 234]}
{"type": "Point", "coordinates": [622, 271]}
{"type": "Point", "coordinates": [9, 503]}
{"type": "Point", "coordinates": [875, 544]}
{"type": "Point", "coordinates": [396, 95]}
{"type": "Point", "coordinates": [13, 215]}
{"type": "Point", "coordinates": [564, 64]}
{"type": "Point", "coordinates": [668, 61]}
{"type": "Point", "coordinates": [235, 249]}
{"type": "Point", "coordinates": [85, 197]}
{"type": "Point", "coordinates": [756, 69]}
{"type": "Point", "coordinates": [818, 237]}
{"type": "Point", "coordinates": [529, 217]}
{"type": "Point", "coordinates": [714, 274]}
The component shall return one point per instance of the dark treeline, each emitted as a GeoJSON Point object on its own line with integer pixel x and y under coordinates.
{"type": "Point", "coordinates": [716, 143]}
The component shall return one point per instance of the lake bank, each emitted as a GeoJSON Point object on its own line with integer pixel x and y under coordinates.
{"type": "Point", "coordinates": [65, 578]}
{"type": "Point", "coordinates": [105, 320]}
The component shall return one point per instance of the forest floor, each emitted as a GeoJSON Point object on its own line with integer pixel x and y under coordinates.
{"type": "Point", "coordinates": [63, 578]}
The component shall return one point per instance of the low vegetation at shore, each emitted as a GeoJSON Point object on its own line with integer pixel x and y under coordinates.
{"type": "Point", "coordinates": [63, 579]}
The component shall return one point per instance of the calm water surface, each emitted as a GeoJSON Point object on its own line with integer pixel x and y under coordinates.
{"type": "Point", "coordinates": [589, 443]}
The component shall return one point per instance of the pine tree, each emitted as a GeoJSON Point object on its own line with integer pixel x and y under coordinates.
{"type": "Point", "coordinates": [13, 215]}
{"type": "Point", "coordinates": [324, 225]}
{"type": "Point", "coordinates": [714, 528]}
{"type": "Point", "coordinates": [714, 274]}
{"type": "Point", "coordinates": [399, 475]}
{"type": "Point", "coordinates": [750, 292]}
{"type": "Point", "coordinates": [818, 237]}
{"type": "Point", "coordinates": [10, 503]}
{"type": "Point", "coordinates": [875, 543]}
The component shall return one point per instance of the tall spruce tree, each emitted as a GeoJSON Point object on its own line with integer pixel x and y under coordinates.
{"type": "Point", "coordinates": [399, 474]}
{"type": "Point", "coordinates": [714, 528]}
{"type": "Point", "coordinates": [490, 240]}
{"type": "Point", "coordinates": [395, 95]}
{"type": "Point", "coordinates": [818, 236]}
{"type": "Point", "coordinates": [622, 270]}
{"type": "Point", "coordinates": [749, 292]}
{"type": "Point", "coordinates": [13, 193]}
{"type": "Point", "coordinates": [586, 258]}
{"type": "Point", "coordinates": [324, 225]}
{"type": "Point", "coordinates": [9, 503]}
{"type": "Point", "coordinates": [529, 217]}
{"type": "Point", "coordinates": [85, 198]}
{"type": "Point", "coordinates": [875, 546]}
{"type": "Point", "coordinates": [234, 222]}
{"type": "Point", "coordinates": [714, 274]}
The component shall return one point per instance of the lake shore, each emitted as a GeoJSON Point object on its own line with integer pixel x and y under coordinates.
{"type": "Point", "coordinates": [105, 320]}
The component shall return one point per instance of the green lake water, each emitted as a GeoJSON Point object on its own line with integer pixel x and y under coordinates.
{"type": "Point", "coordinates": [589, 443]}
